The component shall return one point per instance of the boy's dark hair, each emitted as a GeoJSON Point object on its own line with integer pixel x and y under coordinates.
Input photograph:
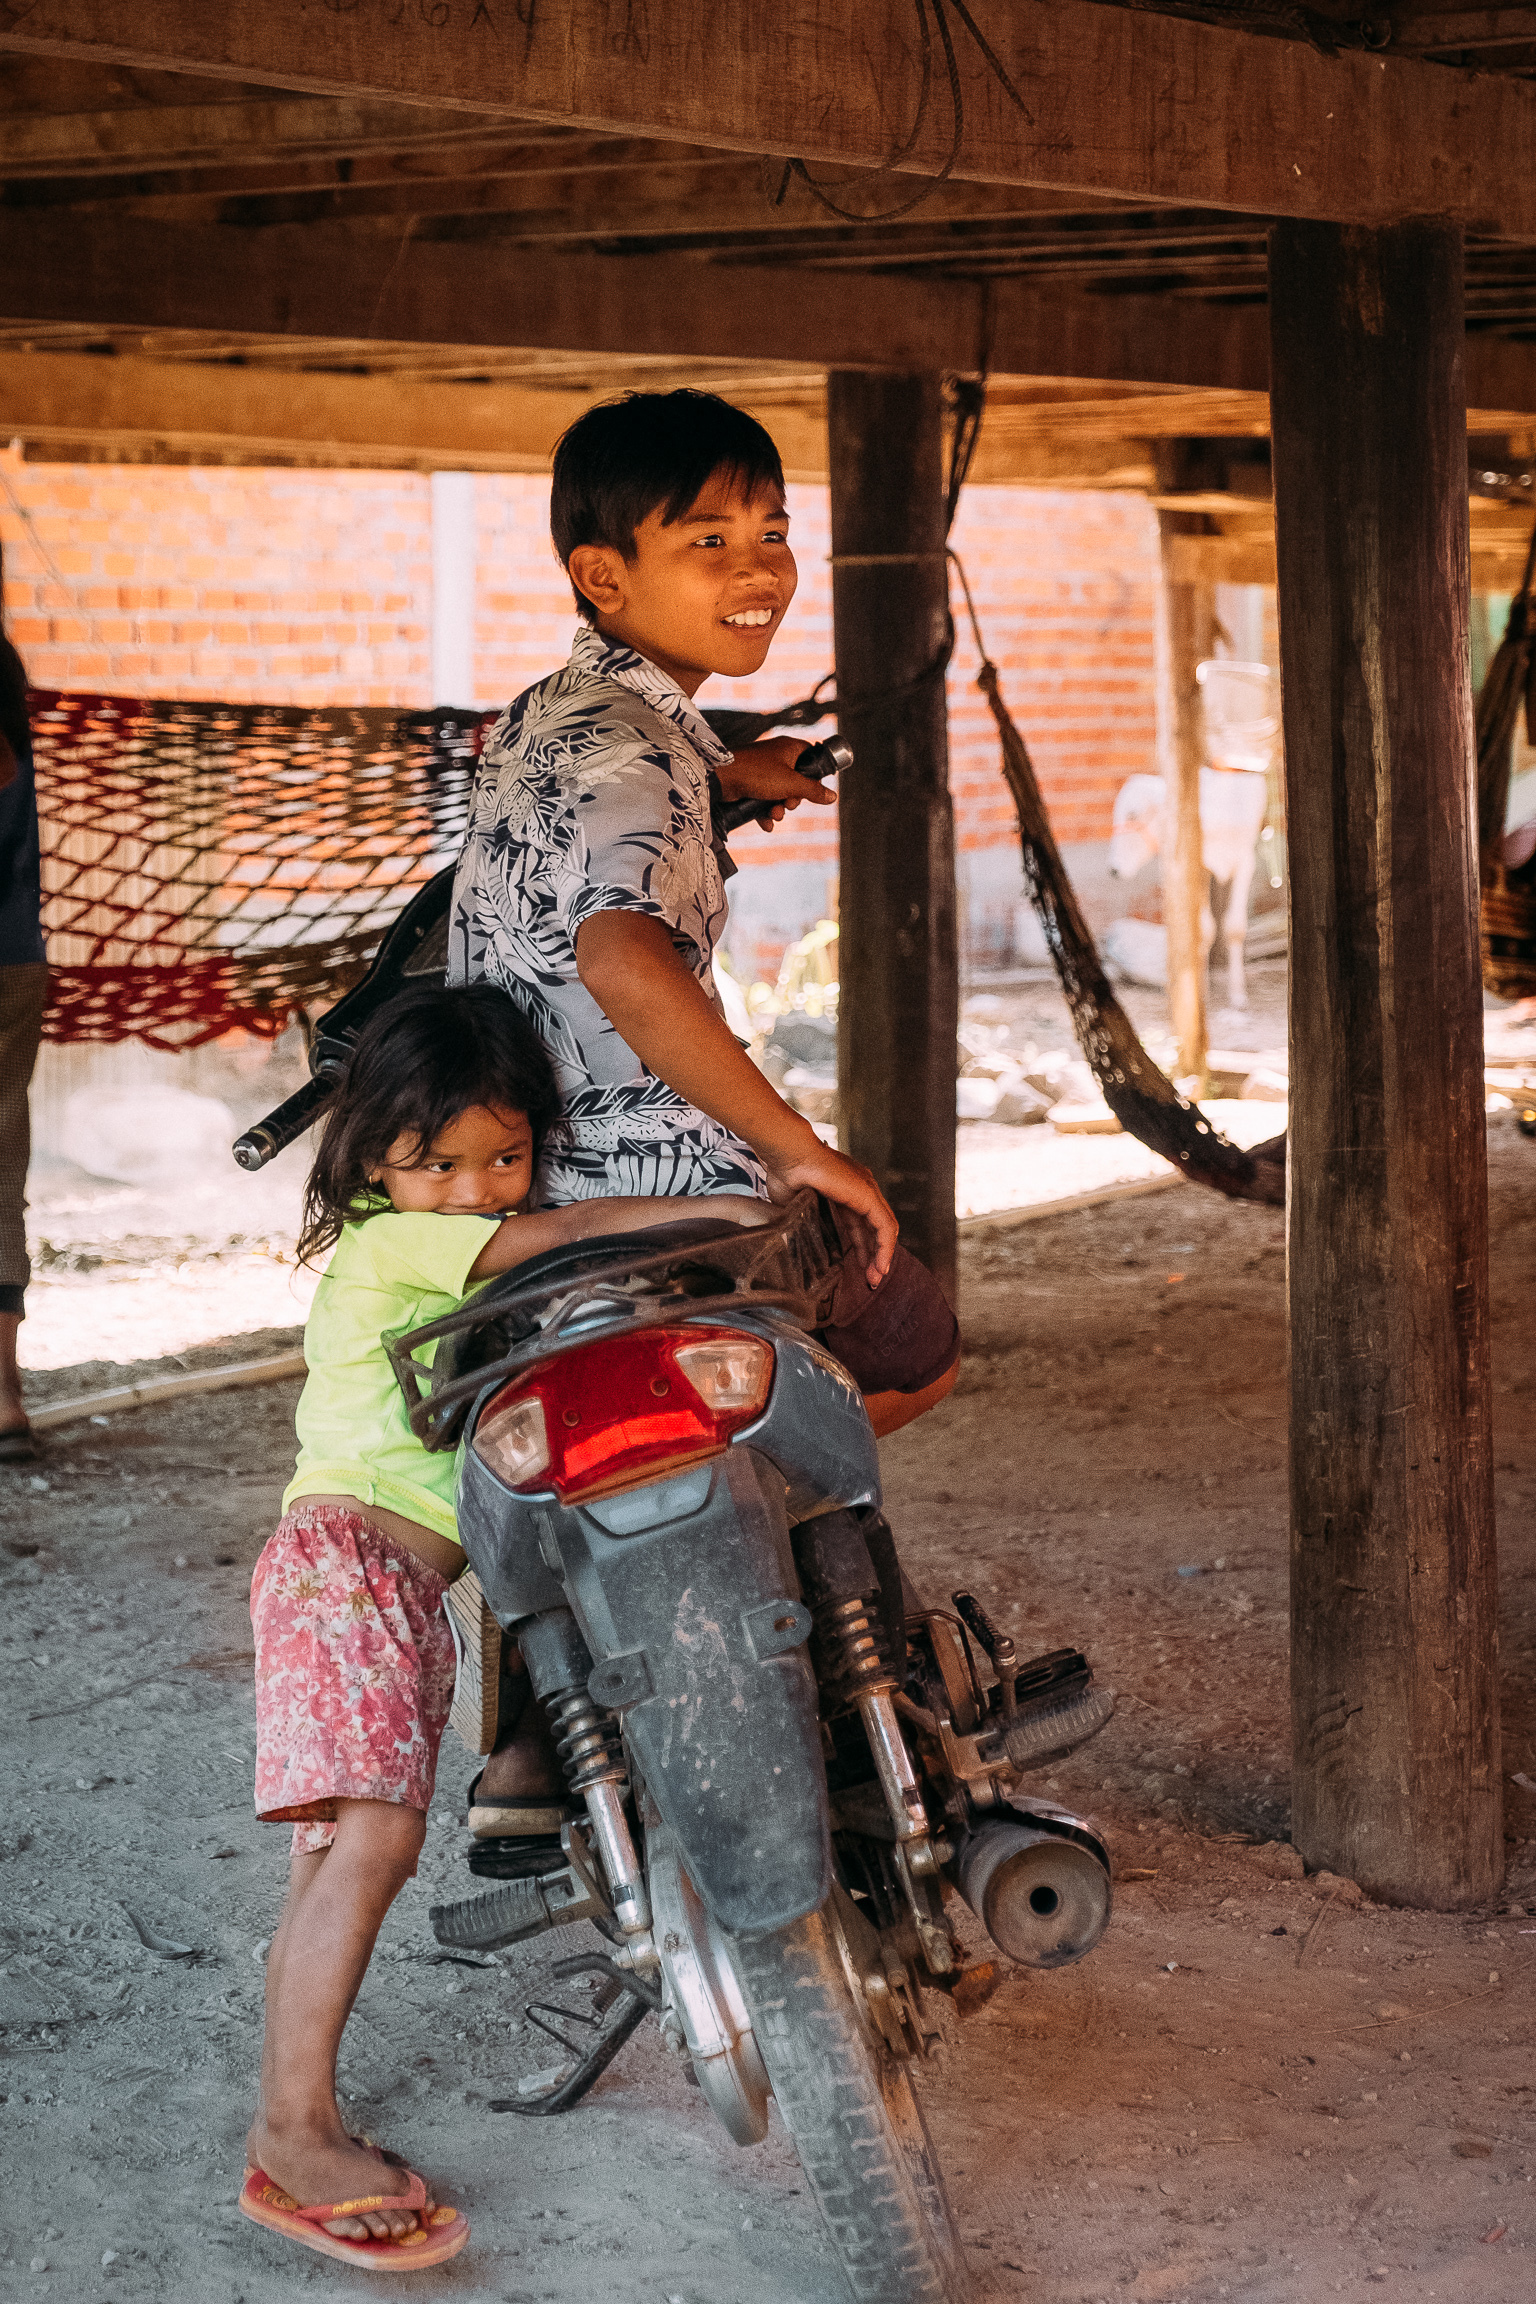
{"type": "Point", "coordinates": [623, 459]}
{"type": "Point", "coordinates": [433, 1052]}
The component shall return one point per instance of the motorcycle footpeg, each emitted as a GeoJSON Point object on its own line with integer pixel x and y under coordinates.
{"type": "Point", "coordinates": [1050, 1726]}
{"type": "Point", "coordinates": [513, 1912]}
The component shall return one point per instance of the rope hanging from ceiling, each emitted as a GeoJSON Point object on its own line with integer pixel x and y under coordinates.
{"type": "Point", "coordinates": [1138, 1092]}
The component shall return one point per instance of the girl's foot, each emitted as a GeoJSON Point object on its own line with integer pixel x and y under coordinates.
{"type": "Point", "coordinates": [520, 1793]}
{"type": "Point", "coordinates": [315, 2168]}
{"type": "Point", "coordinates": [525, 1767]}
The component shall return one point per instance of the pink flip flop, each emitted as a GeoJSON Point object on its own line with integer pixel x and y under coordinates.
{"type": "Point", "coordinates": [440, 2232]}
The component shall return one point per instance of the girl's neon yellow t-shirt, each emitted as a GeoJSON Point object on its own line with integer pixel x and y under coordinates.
{"type": "Point", "coordinates": [389, 1271]}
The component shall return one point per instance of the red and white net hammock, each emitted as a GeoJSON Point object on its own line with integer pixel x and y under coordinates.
{"type": "Point", "coordinates": [208, 866]}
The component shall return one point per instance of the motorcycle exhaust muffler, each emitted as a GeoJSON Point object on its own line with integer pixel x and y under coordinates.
{"type": "Point", "coordinates": [1038, 1881]}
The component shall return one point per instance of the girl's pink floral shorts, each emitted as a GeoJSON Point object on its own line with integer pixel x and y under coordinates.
{"type": "Point", "coordinates": [354, 1671]}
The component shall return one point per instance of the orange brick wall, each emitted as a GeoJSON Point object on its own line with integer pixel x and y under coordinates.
{"type": "Point", "coordinates": [252, 586]}
{"type": "Point", "coordinates": [316, 587]}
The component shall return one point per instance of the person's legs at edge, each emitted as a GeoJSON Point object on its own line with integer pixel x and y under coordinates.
{"type": "Point", "coordinates": [336, 1904]}
{"type": "Point", "coordinates": [22, 992]}
{"type": "Point", "coordinates": [13, 1415]}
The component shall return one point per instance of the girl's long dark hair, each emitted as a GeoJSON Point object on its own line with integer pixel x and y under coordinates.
{"type": "Point", "coordinates": [433, 1052]}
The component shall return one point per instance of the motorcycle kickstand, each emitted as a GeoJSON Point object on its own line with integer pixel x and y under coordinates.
{"type": "Point", "coordinates": [644, 2000]}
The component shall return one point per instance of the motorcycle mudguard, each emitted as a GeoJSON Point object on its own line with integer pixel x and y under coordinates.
{"type": "Point", "coordinates": [698, 1639]}
{"type": "Point", "coordinates": [815, 1430]}
{"type": "Point", "coordinates": [503, 1535]}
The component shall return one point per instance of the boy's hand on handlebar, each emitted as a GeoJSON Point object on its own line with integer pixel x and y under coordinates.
{"type": "Point", "coordinates": [852, 1187]}
{"type": "Point", "coordinates": [767, 772]}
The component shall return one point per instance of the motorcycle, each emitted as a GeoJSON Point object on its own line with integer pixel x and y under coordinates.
{"type": "Point", "coordinates": [785, 1764]}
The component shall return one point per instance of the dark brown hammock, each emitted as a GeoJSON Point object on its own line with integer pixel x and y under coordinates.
{"type": "Point", "coordinates": [1141, 1096]}
{"type": "Point", "coordinates": [1508, 912]}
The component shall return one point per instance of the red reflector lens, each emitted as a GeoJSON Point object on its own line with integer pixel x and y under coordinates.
{"type": "Point", "coordinates": [628, 1406]}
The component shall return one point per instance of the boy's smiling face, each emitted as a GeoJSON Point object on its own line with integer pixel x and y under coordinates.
{"type": "Point", "coordinates": [704, 594]}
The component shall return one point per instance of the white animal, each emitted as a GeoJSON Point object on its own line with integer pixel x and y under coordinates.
{"type": "Point", "coordinates": [1232, 806]}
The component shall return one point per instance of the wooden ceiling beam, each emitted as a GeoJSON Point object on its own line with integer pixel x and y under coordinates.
{"type": "Point", "coordinates": [1440, 31]}
{"type": "Point", "coordinates": [76, 407]}
{"type": "Point", "coordinates": [141, 409]}
{"type": "Point", "coordinates": [318, 283]}
{"type": "Point", "coordinates": [1139, 105]}
{"type": "Point", "coordinates": [557, 189]}
{"type": "Point", "coordinates": [1497, 566]}
{"type": "Point", "coordinates": [65, 407]}
{"type": "Point", "coordinates": [80, 407]}
{"type": "Point", "coordinates": [138, 136]}
{"type": "Point", "coordinates": [333, 294]}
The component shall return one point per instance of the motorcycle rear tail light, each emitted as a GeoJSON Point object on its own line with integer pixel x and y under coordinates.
{"type": "Point", "coordinates": [512, 1438]}
{"type": "Point", "coordinates": [624, 1408]}
{"type": "Point", "coordinates": [727, 1372]}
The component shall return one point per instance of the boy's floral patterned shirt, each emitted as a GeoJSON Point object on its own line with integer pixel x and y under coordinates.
{"type": "Point", "coordinates": [592, 795]}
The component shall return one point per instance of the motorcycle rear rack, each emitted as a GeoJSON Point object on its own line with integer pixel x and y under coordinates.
{"type": "Point", "coordinates": [785, 1266]}
{"type": "Point", "coordinates": [638, 1999]}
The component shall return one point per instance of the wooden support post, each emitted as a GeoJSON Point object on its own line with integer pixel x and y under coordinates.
{"type": "Point", "coordinates": [1394, 1689]}
{"type": "Point", "coordinates": [898, 1006]}
{"type": "Point", "coordinates": [1189, 611]}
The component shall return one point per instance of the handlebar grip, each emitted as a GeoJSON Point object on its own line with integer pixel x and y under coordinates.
{"type": "Point", "coordinates": [815, 762]}
{"type": "Point", "coordinates": [280, 1128]}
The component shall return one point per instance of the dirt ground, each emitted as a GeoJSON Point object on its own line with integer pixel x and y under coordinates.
{"type": "Point", "coordinates": [1258, 2087]}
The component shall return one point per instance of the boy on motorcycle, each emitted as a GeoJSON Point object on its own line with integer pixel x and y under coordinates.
{"type": "Point", "coordinates": [589, 888]}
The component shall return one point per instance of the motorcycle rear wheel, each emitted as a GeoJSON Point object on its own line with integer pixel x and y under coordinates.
{"type": "Point", "coordinates": [855, 2119]}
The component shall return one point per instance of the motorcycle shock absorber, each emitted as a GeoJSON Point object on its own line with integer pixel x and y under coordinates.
{"type": "Point", "coordinates": [854, 1665]}
{"type": "Point", "coordinates": [586, 1744]}
{"type": "Point", "coordinates": [857, 1670]}
{"type": "Point", "coordinates": [917, 1859]}
{"type": "Point", "coordinates": [559, 1664]}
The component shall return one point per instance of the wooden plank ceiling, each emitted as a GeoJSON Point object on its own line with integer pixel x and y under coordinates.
{"type": "Point", "coordinates": [159, 224]}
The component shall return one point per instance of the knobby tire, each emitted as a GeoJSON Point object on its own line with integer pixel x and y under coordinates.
{"type": "Point", "coordinates": [855, 2119]}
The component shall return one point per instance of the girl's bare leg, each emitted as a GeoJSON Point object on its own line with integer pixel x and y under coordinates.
{"type": "Point", "coordinates": [336, 1905]}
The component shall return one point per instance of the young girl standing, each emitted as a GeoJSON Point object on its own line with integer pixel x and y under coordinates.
{"type": "Point", "coordinates": [420, 1184]}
